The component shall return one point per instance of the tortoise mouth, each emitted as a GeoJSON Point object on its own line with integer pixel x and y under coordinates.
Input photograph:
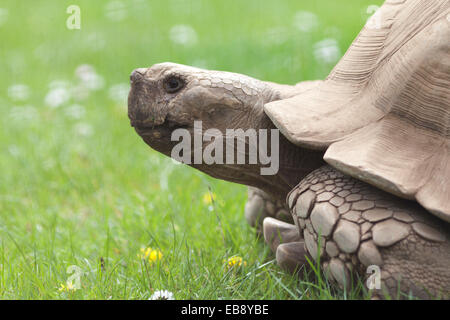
{"type": "Point", "coordinates": [147, 125]}
{"type": "Point", "coordinates": [158, 131]}
{"type": "Point", "coordinates": [159, 137]}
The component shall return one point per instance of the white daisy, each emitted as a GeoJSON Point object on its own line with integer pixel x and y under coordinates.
{"type": "Point", "coordinates": [89, 78]}
{"type": "Point", "coordinates": [19, 92]}
{"type": "Point", "coordinates": [183, 35]}
{"type": "Point", "coordinates": [305, 21]}
{"type": "Point", "coordinates": [327, 51]}
{"type": "Point", "coordinates": [58, 94]}
{"type": "Point", "coordinates": [162, 295]}
{"type": "Point", "coordinates": [119, 92]}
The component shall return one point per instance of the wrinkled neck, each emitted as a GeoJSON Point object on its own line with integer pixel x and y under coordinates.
{"type": "Point", "coordinates": [294, 162]}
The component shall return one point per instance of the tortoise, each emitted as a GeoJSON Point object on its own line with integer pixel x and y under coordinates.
{"type": "Point", "coordinates": [364, 155]}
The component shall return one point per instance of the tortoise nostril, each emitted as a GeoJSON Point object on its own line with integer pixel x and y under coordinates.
{"type": "Point", "coordinates": [137, 74]}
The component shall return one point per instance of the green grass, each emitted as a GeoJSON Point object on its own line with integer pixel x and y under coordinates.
{"type": "Point", "coordinates": [77, 187]}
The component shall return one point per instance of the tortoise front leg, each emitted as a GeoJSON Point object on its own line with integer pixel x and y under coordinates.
{"type": "Point", "coordinates": [283, 237]}
{"type": "Point", "coordinates": [354, 226]}
{"type": "Point", "coordinates": [261, 205]}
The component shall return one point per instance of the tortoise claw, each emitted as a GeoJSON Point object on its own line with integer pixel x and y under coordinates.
{"type": "Point", "coordinates": [277, 232]}
{"type": "Point", "coordinates": [291, 256]}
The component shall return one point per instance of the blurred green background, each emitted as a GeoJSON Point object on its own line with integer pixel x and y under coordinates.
{"type": "Point", "coordinates": [79, 187]}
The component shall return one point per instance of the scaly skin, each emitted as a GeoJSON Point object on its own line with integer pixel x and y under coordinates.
{"type": "Point", "coordinates": [360, 225]}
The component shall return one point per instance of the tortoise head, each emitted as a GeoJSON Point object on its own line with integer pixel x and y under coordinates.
{"type": "Point", "coordinates": [169, 101]}
{"type": "Point", "coordinates": [169, 95]}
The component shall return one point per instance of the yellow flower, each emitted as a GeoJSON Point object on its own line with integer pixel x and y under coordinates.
{"type": "Point", "coordinates": [208, 198]}
{"type": "Point", "coordinates": [67, 287]}
{"type": "Point", "coordinates": [234, 262]}
{"type": "Point", "coordinates": [155, 255]}
{"type": "Point", "coordinates": [152, 255]}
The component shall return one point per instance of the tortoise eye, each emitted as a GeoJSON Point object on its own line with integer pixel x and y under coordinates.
{"type": "Point", "coordinates": [173, 84]}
